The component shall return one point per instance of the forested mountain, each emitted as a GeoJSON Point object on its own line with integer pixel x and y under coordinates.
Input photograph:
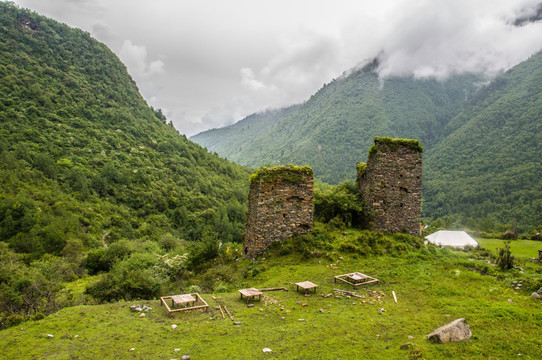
{"type": "Point", "coordinates": [489, 167]}
{"type": "Point", "coordinates": [483, 148]}
{"type": "Point", "coordinates": [85, 162]}
{"type": "Point", "coordinates": [335, 128]}
{"type": "Point", "coordinates": [224, 139]}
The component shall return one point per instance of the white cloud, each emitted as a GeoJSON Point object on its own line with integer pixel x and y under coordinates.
{"type": "Point", "coordinates": [135, 59]}
{"type": "Point", "coordinates": [211, 63]}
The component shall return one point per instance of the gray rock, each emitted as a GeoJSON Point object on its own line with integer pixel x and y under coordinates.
{"type": "Point", "coordinates": [186, 357]}
{"type": "Point", "coordinates": [457, 330]}
{"type": "Point", "coordinates": [406, 346]}
{"type": "Point", "coordinates": [536, 296]}
{"type": "Point", "coordinates": [237, 323]}
{"type": "Point", "coordinates": [133, 308]}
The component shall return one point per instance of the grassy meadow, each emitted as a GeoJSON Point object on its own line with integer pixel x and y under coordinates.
{"type": "Point", "coordinates": [433, 286]}
{"type": "Point", "coordinates": [521, 249]}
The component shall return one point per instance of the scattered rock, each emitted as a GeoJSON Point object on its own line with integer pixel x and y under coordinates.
{"type": "Point", "coordinates": [510, 301]}
{"type": "Point", "coordinates": [267, 350]}
{"type": "Point", "coordinates": [49, 336]}
{"type": "Point", "coordinates": [410, 337]}
{"type": "Point", "coordinates": [186, 357]}
{"type": "Point", "coordinates": [174, 326]}
{"type": "Point", "coordinates": [177, 349]}
{"type": "Point", "coordinates": [133, 308]}
{"type": "Point", "coordinates": [142, 315]}
{"type": "Point", "coordinates": [237, 323]}
{"type": "Point", "coordinates": [381, 311]}
{"type": "Point", "coordinates": [250, 305]}
{"type": "Point", "coordinates": [303, 304]}
{"type": "Point", "coordinates": [457, 330]}
{"type": "Point", "coordinates": [132, 349]}
{"type": "Point", "coordinates": [536, 296]}
{"type": "Point", "coordinates": [321, 310]}
{"type": "Point", "coordinates": [406, 346]}
{"type": "Point", "coordinates": [300, 320]}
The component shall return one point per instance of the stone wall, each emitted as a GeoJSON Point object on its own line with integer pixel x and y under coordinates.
{"type": "Point", "coordinates": [280, 205]}
{"type": "Point", "coordinates": [391, 184]}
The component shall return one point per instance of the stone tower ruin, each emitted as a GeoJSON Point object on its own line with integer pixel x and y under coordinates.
{"type": "Point", "coordinates": [280, 205]}
{"type": "Point", "coordinates": [391, 184]}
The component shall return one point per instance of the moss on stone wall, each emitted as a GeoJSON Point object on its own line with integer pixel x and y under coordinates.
{"type": "Point", "coordinates": [393, 144]}
{"type": "Point", "coordinates": [361, 167]}
{"type": "Point", "coordinates": [289, 173]}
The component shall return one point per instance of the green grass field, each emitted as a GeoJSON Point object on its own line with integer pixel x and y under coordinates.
{"type": "Point", "coordinates": [521, 249]}
{"type": "Point", "coordinates": [433, 287]}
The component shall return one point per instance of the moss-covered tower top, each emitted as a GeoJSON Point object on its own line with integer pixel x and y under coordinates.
{"type": "Point", "coordinates": [287, 173]}
{"type": "Point", "coordinates": [393, 144]}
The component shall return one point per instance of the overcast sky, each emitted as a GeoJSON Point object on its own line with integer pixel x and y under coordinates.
{"type": "Point", "coordinates": [208, 63]}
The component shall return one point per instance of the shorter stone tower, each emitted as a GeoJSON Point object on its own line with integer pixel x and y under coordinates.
{"type": "Point", "coordinates": [391, 184]}
{"type": "Point", "coordinates": [279, 206]}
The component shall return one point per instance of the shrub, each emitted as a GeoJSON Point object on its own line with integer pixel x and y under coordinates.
{"type": "Point", "coordinates": [221, 288]}
{"type": "Point", "coordinates": [340, 204]}
{"type": "Point", "coordinates": [13, 320]}
{"type": "Point", "coordinates": [202, 251]}
{"type": "Point", "coordinates": [505, 260]}
{"type": "Point", "coordinates": [194, 289]}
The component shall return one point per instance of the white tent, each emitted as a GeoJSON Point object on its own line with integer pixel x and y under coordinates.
{"type": "Point", "coordinates": [457, 239]}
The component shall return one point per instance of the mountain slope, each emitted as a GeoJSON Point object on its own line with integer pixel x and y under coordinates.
{"type": "Point", "coordinates": [84, 159]}
{"type": "Point", "coordinates": [489, 167]}
{"type": "Point", "coordinates": [335, 128]}
{"type": "Point", "coordinates": [225, 140]}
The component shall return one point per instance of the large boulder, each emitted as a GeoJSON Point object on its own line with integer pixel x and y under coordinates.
{"type": "Point", "coordinates": [457, 330]}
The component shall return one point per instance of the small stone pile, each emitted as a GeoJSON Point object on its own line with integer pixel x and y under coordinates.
{"type": "Point", "coordinates": [140, 308]}
{"type": "Point", "coordinates": [537, 295]}
{"type": "Point", "coordinates": [517, 285]}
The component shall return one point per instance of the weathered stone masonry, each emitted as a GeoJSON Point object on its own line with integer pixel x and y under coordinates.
{"type": "Point", "coordinates": [280, 205]}
{"type": "Point", "coordinates": [391, 184]}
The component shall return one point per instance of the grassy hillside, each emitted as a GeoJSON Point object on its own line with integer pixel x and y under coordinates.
{"type": "Point", "coordinates": [79, 146]}
{"type": "Point", "coordinates": [433, 287]}
{"type": "Point", "coordinates": [335, 128]}
{"type": "Point", "coordinates": [489, 166]}
{"type": "Point", "coordinates": [91, 175]}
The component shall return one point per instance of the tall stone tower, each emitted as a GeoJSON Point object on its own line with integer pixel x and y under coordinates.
{"type": "Point", "coordinates": [280, 205]}
{"type": "Point", "coordinates": [391, 184]}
